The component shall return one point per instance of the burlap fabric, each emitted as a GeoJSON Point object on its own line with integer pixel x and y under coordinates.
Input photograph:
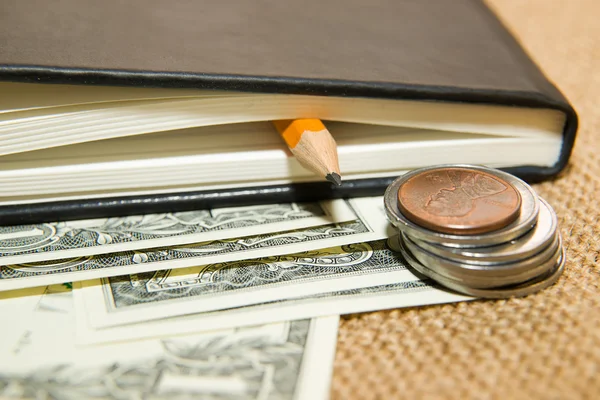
{"type": "Point", "coordinates": [545, 346]}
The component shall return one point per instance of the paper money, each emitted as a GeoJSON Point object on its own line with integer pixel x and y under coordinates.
{"type": "Point", "coordinates": [61, 240]}
{"type": "Point", "coordinates": [219, 286]}
{"type": "Point", "coordinates": [13, 323]}
{"type": "Point", "coordinates": [370, 224]}
{"type": "Point", "coordinates": [290, 360]}
{"type": "Point", "coordinates": [410, 293]}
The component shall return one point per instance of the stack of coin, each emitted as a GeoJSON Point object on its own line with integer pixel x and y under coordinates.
{"type": "Point", "coordinates": [476, 230]}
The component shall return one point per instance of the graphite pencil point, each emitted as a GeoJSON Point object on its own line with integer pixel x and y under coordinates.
{"type": "Point", "coordinates": [334, 178]}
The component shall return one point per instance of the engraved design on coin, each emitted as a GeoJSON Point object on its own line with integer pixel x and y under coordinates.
{"type": "Point", "coordinates": [459, 201]}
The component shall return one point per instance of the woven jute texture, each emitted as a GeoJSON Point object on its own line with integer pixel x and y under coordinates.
{"type": "Point", "coordinates": [547, 345]}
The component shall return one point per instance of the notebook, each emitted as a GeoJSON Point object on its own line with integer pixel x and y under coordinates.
{"type": "Point", "coordinates": [115, 109]}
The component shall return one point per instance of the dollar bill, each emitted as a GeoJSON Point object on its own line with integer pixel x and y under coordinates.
{"type": "Point", "coordinates": [370, 224]}
{"type": "Point", "coordinates": [410, 293]}
{"type": "Point", "coordinates": [219, 286]}
{"type": "Point", "coordinates": [288, 360]}
{"type": "Point", "coordinates": [62, 240]}
{"type": "Point", "coordinates": [13, 323]}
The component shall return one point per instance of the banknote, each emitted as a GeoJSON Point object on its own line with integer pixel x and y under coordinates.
{"type": "Point", "coordinates": [219, 286]}
{"type": "Point", "coordinates": [13, 323]}
{"type": "Point", "coordinates": [61, 240]}
{"type": "Point", "coordinates": [288, 360]}
{"type": "Point", "coordinates": [410, 293]}
{"type": "Point", "coordinates": [370, 224]}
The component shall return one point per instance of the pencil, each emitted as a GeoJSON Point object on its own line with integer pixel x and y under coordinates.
{"type": "Point", "coordinates": [313, 146]}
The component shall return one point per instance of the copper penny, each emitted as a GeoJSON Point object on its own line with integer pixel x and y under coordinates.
{"type": "Point", "coordinates": [459, 201]}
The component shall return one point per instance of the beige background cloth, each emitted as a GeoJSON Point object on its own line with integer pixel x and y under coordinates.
{"type": "Point", "coordinates": [547, 345]}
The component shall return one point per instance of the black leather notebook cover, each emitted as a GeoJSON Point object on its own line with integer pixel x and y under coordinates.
{"type": "Point", "coordinates": [435, 50]}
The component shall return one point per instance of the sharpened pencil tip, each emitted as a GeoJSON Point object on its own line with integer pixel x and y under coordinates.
{"type": "Point", "coordinates": [334, 178]}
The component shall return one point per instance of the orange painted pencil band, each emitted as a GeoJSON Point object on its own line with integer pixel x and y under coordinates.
{"type": "Point", "coordinates": [291, 130]}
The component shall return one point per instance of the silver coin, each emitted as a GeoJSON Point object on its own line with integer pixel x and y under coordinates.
{"type": "Point", "coordinates": [458, 269]}
{"type": "Point", "coordinates": [523, 289]}
{"type": "Point", "coordinates": [542, 234]}
{"type": "Point", "coordinates": [525, 221]}
{"type": "Point", "coordinates": [490, 277]}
